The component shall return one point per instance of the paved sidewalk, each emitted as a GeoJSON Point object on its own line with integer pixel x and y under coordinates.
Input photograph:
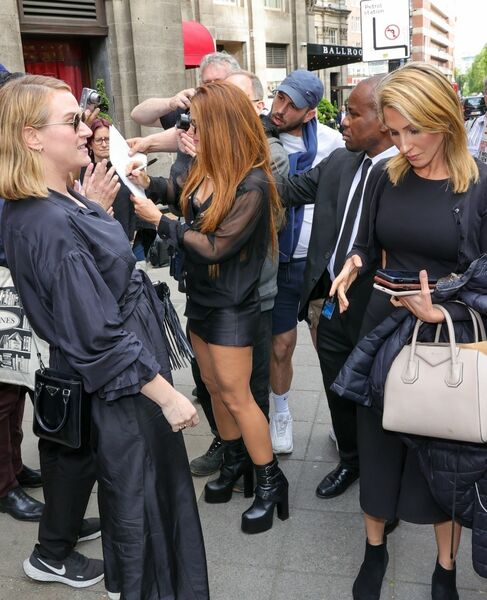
{"type": "Point", "coordinates": [312, 556]}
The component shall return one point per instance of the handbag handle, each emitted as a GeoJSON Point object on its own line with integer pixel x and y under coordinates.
{"type": "Point", "coordinates": [477, 324]}
{"type": "Point", "coordinates": [454, 376]}
{"type": "Point", "coordinates": [480, 323]}
{"type": "Point", "coordinates": [37, 393]}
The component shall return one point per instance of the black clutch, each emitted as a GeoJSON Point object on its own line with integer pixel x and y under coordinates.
{"type": "Point", "coordinates": [61, 408]}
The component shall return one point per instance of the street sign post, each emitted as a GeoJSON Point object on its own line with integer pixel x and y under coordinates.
{"type": "Point", "coordinates": [385, 29]}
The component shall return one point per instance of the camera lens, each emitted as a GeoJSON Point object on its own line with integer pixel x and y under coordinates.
{"type": "Point", "coordinates": [94, 98]}
{"type": "Point", "coordinates": [184, 121]}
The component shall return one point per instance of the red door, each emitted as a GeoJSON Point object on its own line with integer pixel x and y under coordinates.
{"type": "Point", "coordinates": [61, 58]}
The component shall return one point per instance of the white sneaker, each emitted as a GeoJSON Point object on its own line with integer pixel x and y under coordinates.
{"type": "Point", "coordinates": [281, 428]}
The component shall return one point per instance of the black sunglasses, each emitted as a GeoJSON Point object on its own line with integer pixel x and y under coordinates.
{"type": "Point", "coordinates": [75, 122]}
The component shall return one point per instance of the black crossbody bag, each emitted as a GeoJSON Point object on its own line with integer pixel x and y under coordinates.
{"type": "Point", "coordinates": [61, 408]}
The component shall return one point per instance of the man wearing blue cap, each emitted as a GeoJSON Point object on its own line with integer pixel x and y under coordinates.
{"type": "Point", "coordinates": [307, 142]}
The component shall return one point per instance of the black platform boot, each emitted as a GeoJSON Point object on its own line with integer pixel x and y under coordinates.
{"type": "Point", "coordinates": [271, 490]}
{"type": "Point", "coordinates": [368, 584]}
{"type": "Point", "coordinates": [444, 584]}
{"type": "Point", "coordinates": [236, 462]}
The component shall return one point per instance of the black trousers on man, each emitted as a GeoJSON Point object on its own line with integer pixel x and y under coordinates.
{"type": "Point", "coordinates": [259, 380]}
{"type": "Point", "coordinates": [336, 338]}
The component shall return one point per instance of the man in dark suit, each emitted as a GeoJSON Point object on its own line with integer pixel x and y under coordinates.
{"type": "Point", "coordinates": [336, 186]}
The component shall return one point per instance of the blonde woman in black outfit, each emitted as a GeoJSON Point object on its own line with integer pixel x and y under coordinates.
{"type": "Point", "coordinates": [230, 205]}
{"type": "Point", "coordinates": [418, 215]}
{"type": "Point", "coordinates": [73, 267]}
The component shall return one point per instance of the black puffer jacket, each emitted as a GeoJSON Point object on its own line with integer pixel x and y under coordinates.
{"type": "Point", "coordinates": [456, 472]}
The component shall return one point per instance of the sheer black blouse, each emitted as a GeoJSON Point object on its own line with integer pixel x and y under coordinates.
{"type": "Point", "coordinates": [238, 246]}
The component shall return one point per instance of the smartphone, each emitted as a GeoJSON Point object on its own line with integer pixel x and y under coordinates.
{"type": "Point", "coordinates": [397, 286]}
{"type": "Point", "coordinates": [394, 276]}
{"type": "Point", "coordinates": [396, 293]}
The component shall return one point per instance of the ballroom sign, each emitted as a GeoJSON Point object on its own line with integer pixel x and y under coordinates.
{"type": "Point", "coordinates": [324, 56]}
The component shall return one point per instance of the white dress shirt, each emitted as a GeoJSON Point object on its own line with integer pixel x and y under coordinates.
{"type": "Point", "coordinates": [392, 151]}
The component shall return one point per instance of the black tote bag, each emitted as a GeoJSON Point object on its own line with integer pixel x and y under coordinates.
{"type": "Point", "coordinates": [61, 408]}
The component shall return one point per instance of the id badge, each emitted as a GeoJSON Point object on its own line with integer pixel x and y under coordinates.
{"type": "Point", "coordinates": [329, 307]}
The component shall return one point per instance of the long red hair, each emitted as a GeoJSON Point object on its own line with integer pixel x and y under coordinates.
{"type": "Point", "coordinates": [232, 142]}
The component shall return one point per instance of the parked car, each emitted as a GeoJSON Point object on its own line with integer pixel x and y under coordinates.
{"type": "Point", "coordinates": [473, 106]}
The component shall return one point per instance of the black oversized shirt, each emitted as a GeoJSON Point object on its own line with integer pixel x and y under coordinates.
{"type": "Point", "coordinates": [74, 270]}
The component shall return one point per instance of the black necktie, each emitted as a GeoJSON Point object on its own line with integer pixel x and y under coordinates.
{"type": "Point", "coordinates": [344, 241]}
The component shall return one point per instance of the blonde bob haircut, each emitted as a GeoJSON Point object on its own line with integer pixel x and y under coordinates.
{"type": "Point", "coordinates": [24, 102]}
{"type": "Point", "coordinates": [232, 142]}
{"type": "Point", "coordinates": [425, 98]}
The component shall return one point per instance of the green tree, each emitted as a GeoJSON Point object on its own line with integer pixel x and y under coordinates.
{"type": "Point", "coordinates": [326, 113]}
{"type": "Point", "coordinates": [460, 79]}
{"type": "Point", "coordinates": [104, 102]}
{"type": "Point", "coordinates": [474, 78]}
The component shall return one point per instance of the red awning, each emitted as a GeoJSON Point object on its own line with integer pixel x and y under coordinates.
{"type": "Point", "coordinates": [197, 42]}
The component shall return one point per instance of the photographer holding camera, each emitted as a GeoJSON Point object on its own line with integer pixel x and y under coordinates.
{"type": "Point", "coordinates": [164, 112]}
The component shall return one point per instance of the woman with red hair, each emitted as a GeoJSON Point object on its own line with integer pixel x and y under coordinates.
{"type": "Point", "coordinates": [232, 210]}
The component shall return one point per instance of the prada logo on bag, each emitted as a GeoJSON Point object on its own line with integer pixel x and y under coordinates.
{"type": "Point", "coordinates": [52, 390]}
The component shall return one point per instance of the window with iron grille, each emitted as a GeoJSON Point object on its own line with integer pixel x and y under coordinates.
{"type": "Point", "coordinates": [276, 55]}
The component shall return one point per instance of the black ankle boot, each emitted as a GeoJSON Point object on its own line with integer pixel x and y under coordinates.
{"type": "Point", "coordinates": [443, 584]}
{"type": "Point", "coordinates": [368, 584]}
{"type": "Point", "coordinates": [236, 462]}
{"type": "Point", "coordinates": [271, 490]}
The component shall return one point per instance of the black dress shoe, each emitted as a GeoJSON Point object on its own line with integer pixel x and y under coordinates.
{"type": "Point", "coordinates": [30, 478]}
{"type": "Point", "coordinates": [336, 482]}
{"type": "Point", "coordinates": [21, 506]}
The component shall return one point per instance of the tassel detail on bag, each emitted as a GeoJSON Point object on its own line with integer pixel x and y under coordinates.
{"type": "Point", "coordinates": [178, 347]}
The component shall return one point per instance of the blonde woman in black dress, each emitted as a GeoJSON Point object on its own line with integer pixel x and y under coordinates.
{"type": "Point", "coordinates": [73, 267]}
{"type": "Point", "coordinates": [428, 214]}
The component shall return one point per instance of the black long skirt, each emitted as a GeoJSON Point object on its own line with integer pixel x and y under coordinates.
{"type": "Point", "coordinates": [151, 534]}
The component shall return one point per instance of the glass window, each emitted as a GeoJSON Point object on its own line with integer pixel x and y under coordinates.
{"type": "Point", "coordinates": [330, 35]}
{"type": "Point", "coordinates": [356, 25]}
{"type": "Point", "coordinates": [273, 4]}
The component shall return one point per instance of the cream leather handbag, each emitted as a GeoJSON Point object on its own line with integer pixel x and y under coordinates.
{"type": "Point", "coordinates": [439, 389]}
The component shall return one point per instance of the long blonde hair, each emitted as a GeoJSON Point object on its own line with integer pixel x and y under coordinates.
{"type": "Point", "coordinates": [424, 96]}
{"type": "Point", "coordinates": [23, 102]}
{"type": "Point", "coordinates": [232, 142]}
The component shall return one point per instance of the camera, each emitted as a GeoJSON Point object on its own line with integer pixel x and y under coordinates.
{"type": "Point", "coordinates": [184, 121]}
{"type": "Point", "coordinates": [89, 98]}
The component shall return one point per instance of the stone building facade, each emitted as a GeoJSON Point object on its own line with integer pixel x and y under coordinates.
{"type": "Point", "coordinates": [136, 46]}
